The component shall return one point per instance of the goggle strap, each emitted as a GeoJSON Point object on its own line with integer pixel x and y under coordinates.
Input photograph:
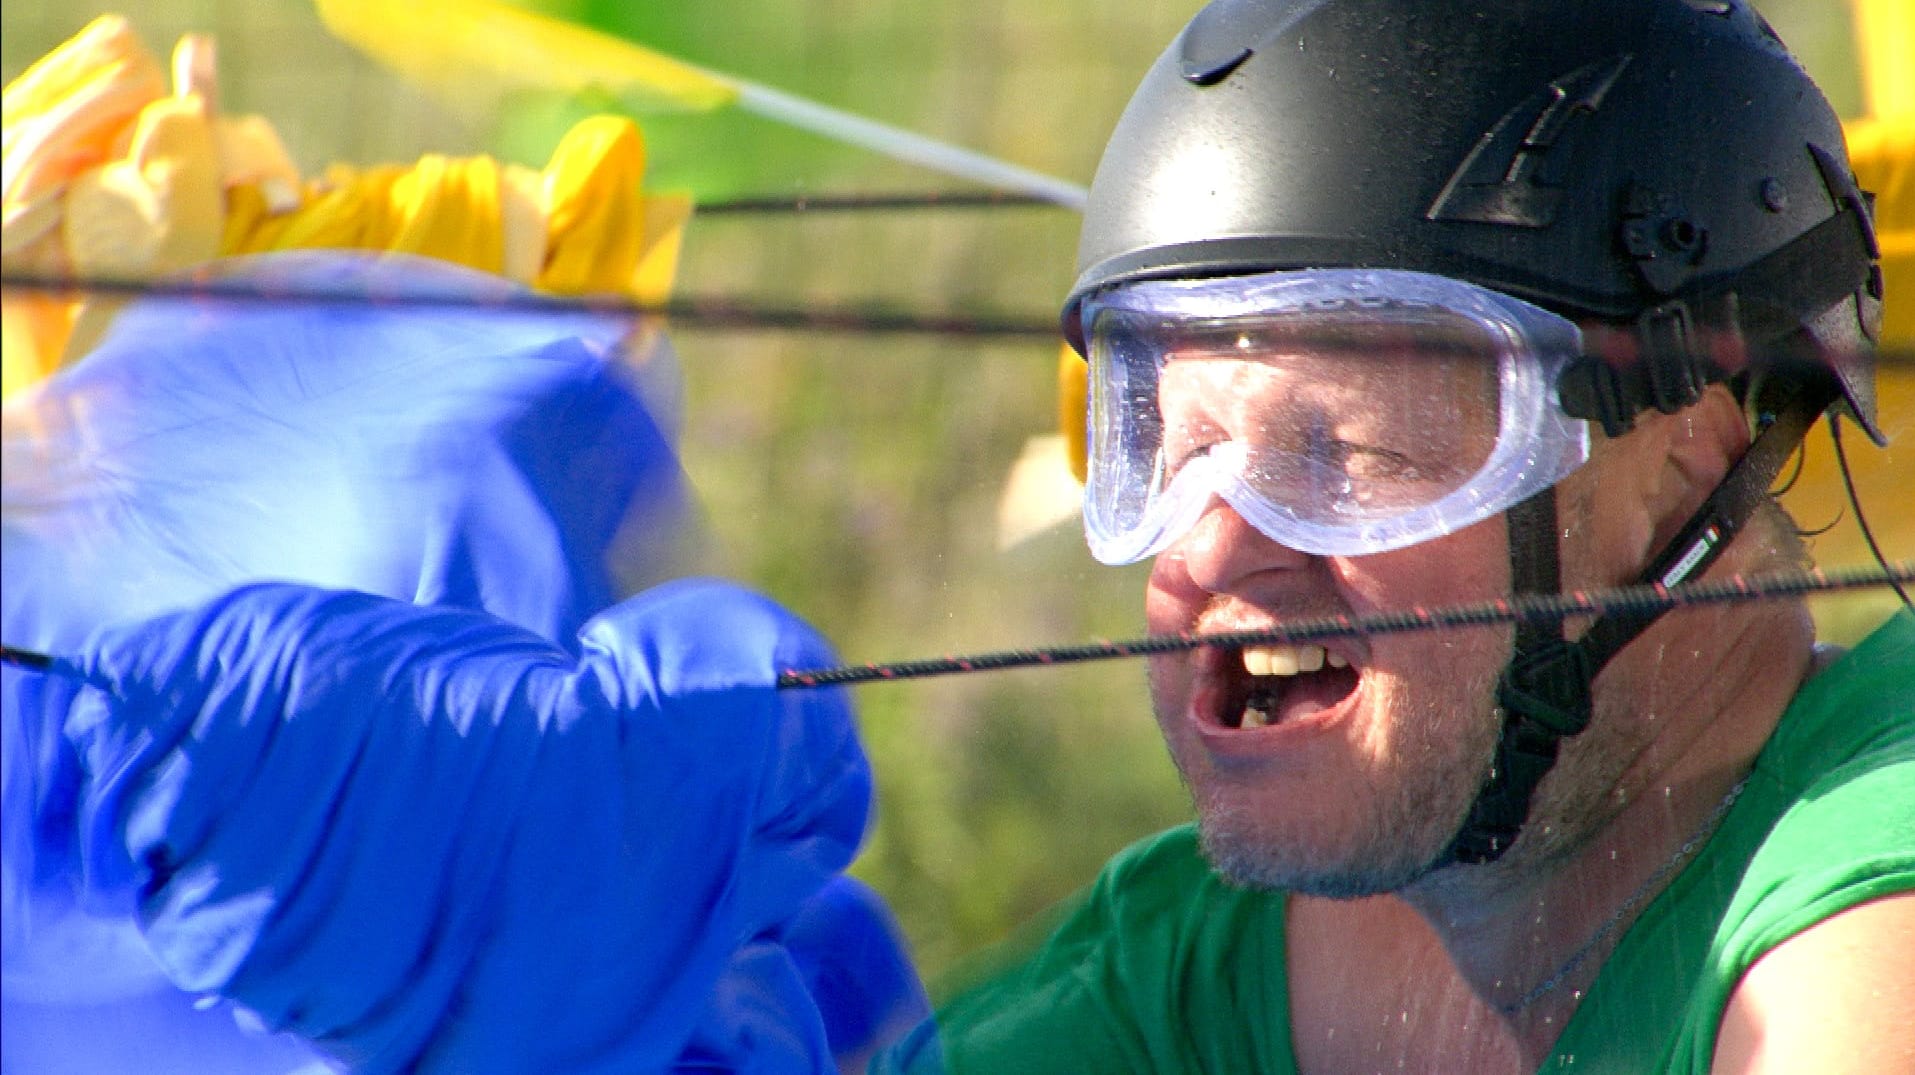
{"type": "Point", "coordinates": [1761, 304]}
{"type": "Point", "coordinates": [1676, 349]}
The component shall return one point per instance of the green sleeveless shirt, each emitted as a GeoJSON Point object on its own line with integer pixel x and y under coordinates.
{"type": "Point", "coordinates": [1161, 967]}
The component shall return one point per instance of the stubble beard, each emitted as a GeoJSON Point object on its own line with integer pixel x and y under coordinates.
{"type": "Point", "coordinates": [1402, 826]}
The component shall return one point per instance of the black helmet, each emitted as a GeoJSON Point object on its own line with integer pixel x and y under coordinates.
{"type": "Point", "coordinates": [1663, 162]}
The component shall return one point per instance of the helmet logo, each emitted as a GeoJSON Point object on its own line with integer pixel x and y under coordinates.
{"type": "Point", "coordinates": [1514, 175]}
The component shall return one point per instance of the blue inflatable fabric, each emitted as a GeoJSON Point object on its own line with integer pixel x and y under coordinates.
{"type": "Point", "coordinates": [468, 455]}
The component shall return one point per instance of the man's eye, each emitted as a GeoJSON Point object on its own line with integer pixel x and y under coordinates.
{"type": "Point", "coordinates": [1357, 461]}
{"type": "Point", "coordinates": [1369, 463]}
{"type": "Point", "coordinates": [1180, 456]}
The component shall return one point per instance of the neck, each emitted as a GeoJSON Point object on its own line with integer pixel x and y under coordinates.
{"type": "Point", "coordinates": [1680, 716]}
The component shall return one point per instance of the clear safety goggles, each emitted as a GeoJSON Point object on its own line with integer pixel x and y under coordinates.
{"type": "Point", "coordinates": [1340, 412]}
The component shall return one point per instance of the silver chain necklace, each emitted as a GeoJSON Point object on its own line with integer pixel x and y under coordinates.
{"type": "Point", "coordinates": [1653, 883]}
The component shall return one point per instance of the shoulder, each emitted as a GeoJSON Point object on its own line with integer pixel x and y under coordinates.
{"type": "Point", "coordinates": [1154, 896]}
{"type": "Point", "coordinates": [1833, 998]}
{"type": "Point", "coordinates": [1161, 895]}
{"type": "Point", "coordinates": [1122, 977]}
{"type": "Point", "coordinates": [1162, 864]}
{"type": "Point", "coordinates": [1825, 912]}
{"type": "Point", "coordinates": [1839, 780]}
{"type": "Point", "coordinates": [1841, 764]}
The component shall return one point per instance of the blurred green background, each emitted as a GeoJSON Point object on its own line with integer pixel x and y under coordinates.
{"type": "Point", "coordinates": [857, 478]}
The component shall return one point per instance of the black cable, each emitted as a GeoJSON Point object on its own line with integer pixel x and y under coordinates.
{"type": "Point", "coordinates": [712, 312]}
{"type": "Point", "coordinates": [1528, 608]}
{"type": "Point", "coordinates": [25, 658]}
{"type": "Point", "coordinates": [1868, 535]}
{"type": "Point", "coordinates": [709, 312]}
{"type": "Point", "coordinates": [1820, 530]}
{"type": "Point", "coordinates": [1782, 487]}
{"type": "Point", "coordinates": [839, 203]}
{"type": "Point", "coordinates": [1522, 609]}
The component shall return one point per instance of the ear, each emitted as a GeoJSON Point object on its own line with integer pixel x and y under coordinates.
{"type": "Point", "coordinates": [1696, 446]}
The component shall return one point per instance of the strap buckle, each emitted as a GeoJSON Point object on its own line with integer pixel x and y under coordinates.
{"type": "Point", "coordinates": [1545, 698]}
{"type": "Point", "coordinates": [1669, 351]}
{"type": "Point", "coordinates": [1547, 687]}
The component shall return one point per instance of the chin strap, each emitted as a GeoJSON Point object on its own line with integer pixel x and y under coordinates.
{"type": "Point", "coordinates": [1544, 694]}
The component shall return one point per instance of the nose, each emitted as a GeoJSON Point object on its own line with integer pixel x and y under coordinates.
{"type": "Point", "coordinates": [1222, 551]}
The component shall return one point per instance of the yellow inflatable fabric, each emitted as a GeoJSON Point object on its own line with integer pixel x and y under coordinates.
{"type": "Point", "coordinates": [108, 175]}
{"type": "Point", "coordinates": [1882, 149]}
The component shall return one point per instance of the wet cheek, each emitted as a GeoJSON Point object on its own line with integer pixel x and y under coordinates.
{"type": "Point", "coordinates": [1171, 605]}
{"type": "Point", "coordinates": [1439, 706]}
{"type": "Point", "coordinates": [1169, 684]}
{"type": "Point", "coordinates": [1471, 564]}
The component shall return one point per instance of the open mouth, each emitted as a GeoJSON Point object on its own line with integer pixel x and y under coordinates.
{"type": "Point", "coordinates": [1268, 685]}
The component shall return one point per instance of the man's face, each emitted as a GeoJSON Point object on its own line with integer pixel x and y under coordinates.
{"type": "Point", "coordinates": [1342, 769]}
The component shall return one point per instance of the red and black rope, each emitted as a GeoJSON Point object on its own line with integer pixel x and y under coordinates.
{"type": "Point", "coordinates": [1523, 609]}
{"type": "Point", "coordinates": [800, 204]}
{"type": "Point", "coordinates": [721, 313]}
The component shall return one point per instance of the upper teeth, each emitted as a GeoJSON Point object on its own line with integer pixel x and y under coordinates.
{"type": "Point", "coordinates": [1288, 660]}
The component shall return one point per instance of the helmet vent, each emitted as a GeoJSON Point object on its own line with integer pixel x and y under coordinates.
{"type": "Point", "coordinates": [1224, 34]}
{"type": "Point", "coordinates": [1514, 175]}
